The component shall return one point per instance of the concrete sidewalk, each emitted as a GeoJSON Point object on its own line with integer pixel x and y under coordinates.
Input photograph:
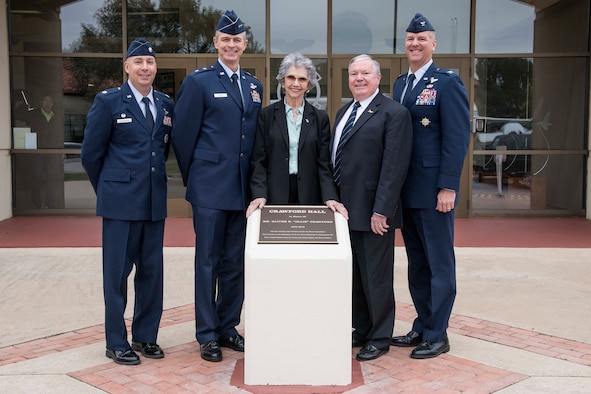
{"type": "Point", "coordinates": [520, 325]}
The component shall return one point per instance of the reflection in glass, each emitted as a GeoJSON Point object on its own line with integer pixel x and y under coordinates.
{"type": "Point", "coordinates": [78, 192]}
{"type": "Point", "coordinates": [72, 84]}
{"type": "Point", "coordinates": [316, 96]}
{"type": "Point", "coordinates": [90, 26]}
{"type": "Point", "coordinates": [517, 108]}
{"type": "Point", "coordinates": [43, 177]}
{"type": "Point", "coordinates": [189, 26]}
{"type": "Point", "coordinates": [299, 27]}
{"type": "Point", "coordinates": [66, 26]}
{"type": "Point", "coordinates": [252, 13]}
{"type": "Point", "coordinates": [450, 18]}
{"type": "Point", "coordinates": [514, 95]}
{"type": "Point", "coordinates": [550, 188]}
{"type": "Point", "coordinates": [511, 30]}
{"type": "Point", "coordinates": [175, 187]}
{"type": "Point", "coordinates": [358, 30]}
{"type": "Point", "coordinates": [503, 87]}
{"type": "Point", "coordinates": [34, 28]}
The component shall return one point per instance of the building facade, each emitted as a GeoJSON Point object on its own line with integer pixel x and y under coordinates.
{"type": "Point", "coordinates": [525, 65]}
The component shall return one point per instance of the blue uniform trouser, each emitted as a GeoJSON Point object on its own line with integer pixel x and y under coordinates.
{"type": "Point", "coordinates": [429, 238]}
{"type": "Point", "coordinates": [219, 272]}
{"type": "Point", "coordinates": [125, 244]}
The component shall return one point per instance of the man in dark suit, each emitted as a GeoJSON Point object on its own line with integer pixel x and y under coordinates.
{"type": "Point", "coordinates": [370, 159]}
{"type": "Point", "coordinates": [124, 152]}
{"type": "Point", "coordinates": [438, 104]}
{"type": "Point", "coordinates": [213, 136]}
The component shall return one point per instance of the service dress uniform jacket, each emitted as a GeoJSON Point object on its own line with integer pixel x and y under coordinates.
{"type": "Point", "coordinates": [214, 136]}
{"type": "Point", "coordinates": [440, 117]}
{"type": "Point", "coordinates": [213, 139]}
{"type": "Point", "coordinates": [270, 159]}
{"type": "Point", "coordinates": [125, 162]}
{"type": "Point", "coordinates": [441, 127]}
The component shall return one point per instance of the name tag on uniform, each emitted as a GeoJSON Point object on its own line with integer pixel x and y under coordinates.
{"type": "Point", "coordinates": [220, 95]}
{"type": "Point", "coordinates": [124, 120]}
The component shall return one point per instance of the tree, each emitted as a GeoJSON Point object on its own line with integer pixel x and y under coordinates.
{"type": "Point", "coordinates": [504, 87]}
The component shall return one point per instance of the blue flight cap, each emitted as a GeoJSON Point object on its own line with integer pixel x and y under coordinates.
{"type": "Point", "coordinates": [419, 24]}
{"type": "Point", "coordinates": [140, 47]}
{"type": "Point", "coordinates": [230, 24]}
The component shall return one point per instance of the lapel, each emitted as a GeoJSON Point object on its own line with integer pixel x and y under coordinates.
{"type": "Point", "coordinates": [338, 117]}
{"type": "Point", "coordinates": [370, 111]}
{"type": "Point", "coordinates": [280, 120]}
{"type": "Point", "coordinates": [245, 91]}
{"type": "Point", "coordinates": [399, 87]}
{"type": "Point", "coordinates": [133, 106]}
{"type": "Point", "coordinates": [308, 121]}
{"type": "Point", "coordinates": [226, 83]}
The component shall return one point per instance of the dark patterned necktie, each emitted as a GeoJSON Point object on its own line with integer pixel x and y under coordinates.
{"type": "Point", "coordinates": [408, 97]}
{"type": "Point", "coordinates": [149, 117]}
{"type": "Point", "coordinates": [337, 158]}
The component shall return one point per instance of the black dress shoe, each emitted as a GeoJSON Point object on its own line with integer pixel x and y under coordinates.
{"type": "Point", "coordinates": [149, 350]}
{"type": "Point", "coordinates": [211, 351]}
{"type": "Point", "coordinates": [371, 352]}
{"type": "Point", "coordinates": [123, 357]}
{"type": "Point", "coordinates": [235, 342]}
{"type": "Point", "coordinates": [430, 349]}
{"type": "Point", "coordinates": [413, 338]}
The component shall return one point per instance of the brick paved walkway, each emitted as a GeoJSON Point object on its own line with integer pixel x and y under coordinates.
{"type": "Point", "coordinates": [535, 350]}
{"type": "Point", "coordinates": [183, 371]}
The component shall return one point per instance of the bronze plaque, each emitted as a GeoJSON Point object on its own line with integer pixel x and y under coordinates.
{"type": "Point", "coordinates": [297, 224]}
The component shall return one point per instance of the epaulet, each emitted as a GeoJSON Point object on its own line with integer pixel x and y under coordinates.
{"type": "Point", "coordinates": [446, 71]}
{"type": "Point", "coordinates": [162, 93]}
{"type": "Point", "coordinates": [401, 75]}
{"type": "Point", "coordinates": [111, 90]}
{"type": "Point", "coordinates": [249, 74]}
{"type": "Point", "coordinates": [203, 69]}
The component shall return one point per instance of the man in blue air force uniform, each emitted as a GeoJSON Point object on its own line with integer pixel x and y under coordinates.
{"type": "Point", "coordinates": [213, 137]}
{"type": "Point", "coordinates": [438, 104]}
{"type": "Point", "coordinates": [126, 143]}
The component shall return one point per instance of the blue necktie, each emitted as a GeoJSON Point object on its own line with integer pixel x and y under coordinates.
{"type": "Point", "coordinates": [337, 158]}
{"type": "Point", "coordinates": [235, 83]}
{"type": "Point", "coordinates": [408, 97]}
{"type": "Point", "coordinates": [149, 117]}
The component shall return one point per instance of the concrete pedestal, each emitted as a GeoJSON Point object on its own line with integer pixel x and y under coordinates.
{"type": "Point", "coordinates": [297, 310]}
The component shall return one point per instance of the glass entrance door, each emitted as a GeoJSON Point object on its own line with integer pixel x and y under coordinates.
{"type": "Point", "coordinates": [171, 73]}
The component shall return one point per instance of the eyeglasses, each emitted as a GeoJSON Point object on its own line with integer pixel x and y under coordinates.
{"type": "Point", "coordinates": [293, 78]}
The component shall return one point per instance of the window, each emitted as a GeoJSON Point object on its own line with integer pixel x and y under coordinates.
{"type": "Point", "coordinates": [299, 26]}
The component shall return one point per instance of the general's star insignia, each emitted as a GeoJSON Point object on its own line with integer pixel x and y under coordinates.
{"type": "Point", "coordinates": [425, 122]}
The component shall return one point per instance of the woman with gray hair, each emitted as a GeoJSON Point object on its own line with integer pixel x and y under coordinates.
{"type": "Point", "coordinates": [290, 164]}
